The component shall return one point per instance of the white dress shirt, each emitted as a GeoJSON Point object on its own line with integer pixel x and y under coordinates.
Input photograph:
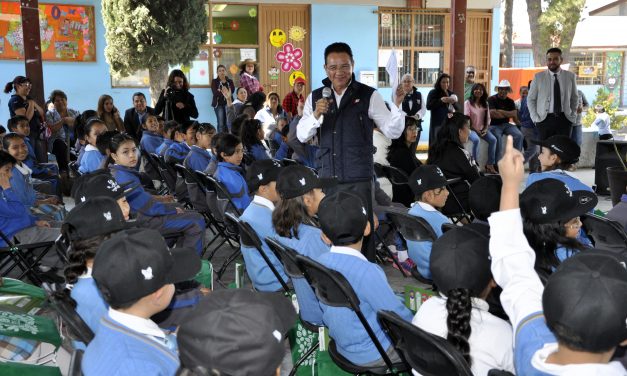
{"type": "Point", "coordinates": [490, 338]}
{"type": "Point", "coordinates": [348, 251]}
{"type": "Point", "coordinates": [262, 201]}
{"type": "Point", "coordinates": [139, 324]}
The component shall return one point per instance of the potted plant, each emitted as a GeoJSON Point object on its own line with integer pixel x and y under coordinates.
{"type": "Point", "coordinates": [617, 176]}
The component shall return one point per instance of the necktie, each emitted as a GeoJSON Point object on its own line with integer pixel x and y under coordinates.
{"type": "Point", "coordinates": [557, 96]}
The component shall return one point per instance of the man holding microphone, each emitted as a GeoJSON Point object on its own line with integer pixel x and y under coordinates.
{"type": "Point", "coordinates": [344, 113]}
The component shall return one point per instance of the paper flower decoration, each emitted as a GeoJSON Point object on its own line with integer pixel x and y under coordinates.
{"type": "Point", "coordinates": [217, 53]}
{"type": "Point", "coordinates": [234, 25]}
{"type": "Point", "coordinates": [217, 38]}
{"type": "Point", "coordinates": [297, 33]}
{"type": "Point", "coordinates": [252, 12]}
{"type": "Point", "coordinates": [233, 69]}
{"type": "Point", "coordinates": [274, 73]}
{"type": "Point", "coordinates": [289, 58]}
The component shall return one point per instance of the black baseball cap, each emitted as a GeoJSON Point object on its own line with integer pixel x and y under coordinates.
{"type": "Point", "coordinates": [99, 184]}
{"type": "Point", "coordinates": [236, 332]}
{"type": "Point", "coordinates": [137, 262]}
{"type": "Point", "coordinates": [96, 216]}
{"type": "Point", "coordinates": [550, 200]}
{"type": "Point", "coordinates": [296, 180]}
{"type": "Point", "coordinates": [342, 217]}
{"type": "Point", "coordinates": [261, 173]}
{"type": "Point", "coordinates": [426, 177]}
{"type": "Point", "coordinates": [484, 196]}
{"type": "Point", "coordinates": [587, 295]}
{"type": "Point", "coordinates": [460, 258]}
{"type": "Point", "coordinates": [563, 146]}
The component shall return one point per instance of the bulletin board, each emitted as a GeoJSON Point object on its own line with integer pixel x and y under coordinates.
{"type": "Point", "coordinates": [67, 32]}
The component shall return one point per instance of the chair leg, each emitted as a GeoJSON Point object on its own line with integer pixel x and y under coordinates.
{"type": "Point", "coordinates": [228, 262]}
{"type": "Point", "coordinates": [391, 255]}
{"type": "Point", "coordinates": [300, 361]}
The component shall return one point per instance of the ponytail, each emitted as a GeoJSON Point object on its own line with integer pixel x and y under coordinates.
{"type": "Point", "coordinates": [11, 85]}
{"type": "Point", "coordinates": [8, 87]}
{"type": "Point", "coordinates": [288, 215]}
{"type": "Point", "coordinates": [459, 308]}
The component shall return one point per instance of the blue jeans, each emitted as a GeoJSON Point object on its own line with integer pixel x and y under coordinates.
{"type": "Point", "coordinates": [508, 129]}
{"type": "Point", "coordinates": [221, 116]}
{"type": "Point", "coordinates": [490, 139]}
{"type": "Point", "coordinates": [576, 134]}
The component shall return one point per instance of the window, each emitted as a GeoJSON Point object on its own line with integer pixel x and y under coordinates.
{"type": "Point", "coordinates": [419, 39]}
{"type": "Point", "coordinates": [588, 66]}
{"type": "Point", "coordinates": [233, 37]}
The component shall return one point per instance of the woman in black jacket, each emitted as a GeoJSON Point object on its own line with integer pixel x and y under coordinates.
{"type": "Point", "coordinates": [440, 101]}
{"type": "Point", "coordinates": [402, 155]}
{"type": "Point", "coordinates": [449, 154]}
{"type": "Point", "coordinates": [175, 101]}
{"type": "Point", "coordinates": [219, 100]}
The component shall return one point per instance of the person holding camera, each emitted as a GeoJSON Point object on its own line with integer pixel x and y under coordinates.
{"type": "Point", "coordinates": [219, 100]}
{"type": "Point", "coordinates": [175, 101]}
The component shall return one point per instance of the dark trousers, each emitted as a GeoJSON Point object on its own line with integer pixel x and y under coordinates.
{"type": "Point", "coordinates": [364, 191]}
{"type": "Point", "coordinates": [189, 223]}
{"type": "Point", "coordinates": [554, 125]}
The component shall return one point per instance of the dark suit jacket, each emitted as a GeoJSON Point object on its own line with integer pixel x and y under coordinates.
{"type": "Point", "coordinates": [131, 122]}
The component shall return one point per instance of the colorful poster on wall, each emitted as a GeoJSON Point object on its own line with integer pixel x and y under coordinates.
{"type": "Point", "coordinates": [67, 32]}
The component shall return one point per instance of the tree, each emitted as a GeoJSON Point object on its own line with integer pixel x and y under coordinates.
{"type": "Point", "coordinates": [609, 102]}
{"type": "Point", "coordinates": [553, 26]}
{"type": "Point", "coordinates": [152, 34]}
{"type": "Point", "coordinates": [508, 33]}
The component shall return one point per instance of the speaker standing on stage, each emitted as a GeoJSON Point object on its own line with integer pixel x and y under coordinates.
{"type": "Point", "coordinates": [344, 123]}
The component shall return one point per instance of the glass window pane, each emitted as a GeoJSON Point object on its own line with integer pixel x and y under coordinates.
{"type": "Point", "coordinates": [198, 71]}
{"type": "Point", "coordinates": [402, 57]}
{"type": "Point", "coordinates": [428, 30]}
{"type": "Point", "coordinates": [234, 24]}
{"type": "Point", "coordinates": [398, 33]}
{"type": "Point", "coordinates": [588, 67]}
{"type": "Point", "coordinates": [230, 58]}
{"type": "Point", "coordinates": [427, 66]}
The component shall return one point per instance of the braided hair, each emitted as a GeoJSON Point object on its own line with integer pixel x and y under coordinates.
{"type": "Point", "coordinates": [459, 308]}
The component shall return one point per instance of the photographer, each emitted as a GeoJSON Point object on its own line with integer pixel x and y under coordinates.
{"type": "Point", "coordinates": [175, 101]}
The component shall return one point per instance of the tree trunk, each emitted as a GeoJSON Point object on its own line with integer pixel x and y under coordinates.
{"type": "Point", "coordinates": [539, 46]}
{"type": "Point", "coordinates": [158, 80]}
{"type": "Point", "coordinates": [507, 34]}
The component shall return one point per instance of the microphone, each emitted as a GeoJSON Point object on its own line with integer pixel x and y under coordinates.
{"type": "Point", "coordinates": [326, 94]}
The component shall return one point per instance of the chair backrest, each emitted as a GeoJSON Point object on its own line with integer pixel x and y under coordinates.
{"type": "Point", "coordinates": [75, 363]}
{"type": "Point", "coordinates": [223, 194]}
{"type": "Point", "coordinates": [428, 354]}
{"type": "Point", "coordinates": [605, 233]}
{"type": "Point", "coordinates": [73, 166]}
{"type": "Point", "coordinates": [447, 226]}
{"type": "Point", "coordinates": [166, 172]}
{"type": "Point", "coordinates": [394, 175]}
{"type": "Point", "coordinates": [288, 162]}
{"type": "Point", "coordinates": [411, 227]}
{"type": "Point", "coordinates": [70, 317]}
{"type": "Point", "coordinates": [216, 208]}
{"type": "Point", "coordinates": [287, 256]}
{"type": "Point", "coordinates": [332, 289]}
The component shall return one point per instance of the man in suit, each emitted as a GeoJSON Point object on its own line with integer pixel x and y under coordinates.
{"type": "Point", "coordinates": [133, 117]}
{"type": "Point", "coordinates": [553, 98]}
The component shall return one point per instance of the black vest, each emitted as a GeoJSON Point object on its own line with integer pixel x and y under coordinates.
{"type": "Point", "coordinates": [345, 135]}
{"type": "Point", "coordinates": [415, 98]}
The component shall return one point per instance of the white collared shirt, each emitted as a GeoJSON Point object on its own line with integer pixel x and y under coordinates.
{"type": "Point", "coordinates": [87, 274]}
{"type": "Point", "coordinates": [90, 147]}
{"type": "Point", "coordinates": [263, 202]}
{"type": "Point", "coordinates": [139, 324]}
{"type": "Point", "coordinates": [23, 168]}
{"type": "Point", "coordinates": [425, 206]}
{"type": "Point", "coordinates": [348, 251]}
{"type": "Point", "coordinates": [490, 339]}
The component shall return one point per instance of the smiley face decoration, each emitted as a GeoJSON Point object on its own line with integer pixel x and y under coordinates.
{"type": "Point", "coordinates": [278, 37]}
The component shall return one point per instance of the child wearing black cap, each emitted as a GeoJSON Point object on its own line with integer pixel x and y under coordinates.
{"type": "Point", "coordinates": [551, 223]}
{"type": "Point", "coordinates": [301, 192]}
{"type": "Point", "coordinates": [344, 224]}
{"type": "Point", "coordinates": [429, 186]}
{"type": "Point", "coordinates": [460, 266]}
{"type": "Point", "coordinates": [559, 154]}
{"type": "Point", "coordinates": [230, 153]}
{"type": "Point", "coordinates": [165, 217]}
{"type": "Point", "coordinates": [571, 326]}
{"type": "Point", "coordinates": [261, 177]}
{"type": "Point", "coordinates": [209, 344]}
{"type": "Point", "coordinates": [135, 273]}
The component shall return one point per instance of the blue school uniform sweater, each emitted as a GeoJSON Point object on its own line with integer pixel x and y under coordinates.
{"type": "Point", "coordinates": [90, 305]}
{"type": "Point", "coordinates": [375, 294]}
{"type": "Point", "coordinates": [420, 252]}
{"type": "Point", "coordinates": [259, 152]}
{"type": "Point", "coordinates": [23, 188]}
{"type": "Point", "coordinates": [198, 159]}
{"type": "Point", "coordinates": [118, 350]}
{"type": "Point", "coordinates": [150, 141]}
{"type": "Point", "coordinates": [14, 217]}
{"type": "Point", "coordinates": [177, 152]}
{"type": "Point", "coordinates": [139, 200]}
{"type": "Point", "coordinates": [164, 146]}
{"type": "Point", "coordinates": [233, 179]}
{"type": "Point", "coordinates": [91, 161]}
{"type": "Point", "coordinates": [571, 182]}
{"type": "Point", "coordinates": [259, 217]}
{"type": "Point", "coordinates": [281, 152]}
{"type": "Point", "coordinates": [310, 244]}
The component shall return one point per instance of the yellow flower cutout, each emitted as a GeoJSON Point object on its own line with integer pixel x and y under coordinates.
{"type": "Point", "coordinates": [297, 33]}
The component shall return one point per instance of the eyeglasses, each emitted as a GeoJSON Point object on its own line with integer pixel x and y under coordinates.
{"type": "Point", "coordinates": [412, 129]}
{"type": "Point", "coordinates": [470, 72]}
{"type": "Point", "coordinates": [574, 224]}
{"type": "Point", "coordinates": [27, 84]}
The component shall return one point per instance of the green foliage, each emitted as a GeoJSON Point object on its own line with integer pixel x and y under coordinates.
{"type": "Point", "coordinates": [559, 21]}
{"type": "Point", "coordinates": [606, 99]}
{"type": "Point", "coordinates": [144, 34]}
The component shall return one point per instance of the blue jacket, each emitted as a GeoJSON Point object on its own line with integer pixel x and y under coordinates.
{"type": "Point", "coordinates": [177, 152]}
{"type": "Point", "coordinates": [91, 161]}
{"type": "Point", "coordinates": [375, 294]}
{"type": "Point", "coordinates": [310, 244]}
{"type": "Point", "coordinates": [118, 350]}
{"type": "Point", "coordinates": [164, 146]}
{"type": "Point", "coordinates": [151, 141]}
{"type": "Point", "coordinates": [571, 182]}
{"type": "Point", "coordinates": [198, 159]}
{"type": "Point", "coordinates": [420, 252]}
{"type": "Point", "coordinates": [14, 217]}
{"type": "Point", "coordinates": [139, 200]}
{"type": "Point", "coordinates": [259, 217]}
{"type": "Point", "coordinates": [23, 188]}
{"type": "Point", "coordinates": [233, 179]}
{"type": "Point", "coordinates": [38, 168]}
{"type": "Point", "coordinates": [90, 305]}
{"type": "Point", "coordinates": [258, 152]}
{"type": "Point", "coordinates": [524, 116]}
